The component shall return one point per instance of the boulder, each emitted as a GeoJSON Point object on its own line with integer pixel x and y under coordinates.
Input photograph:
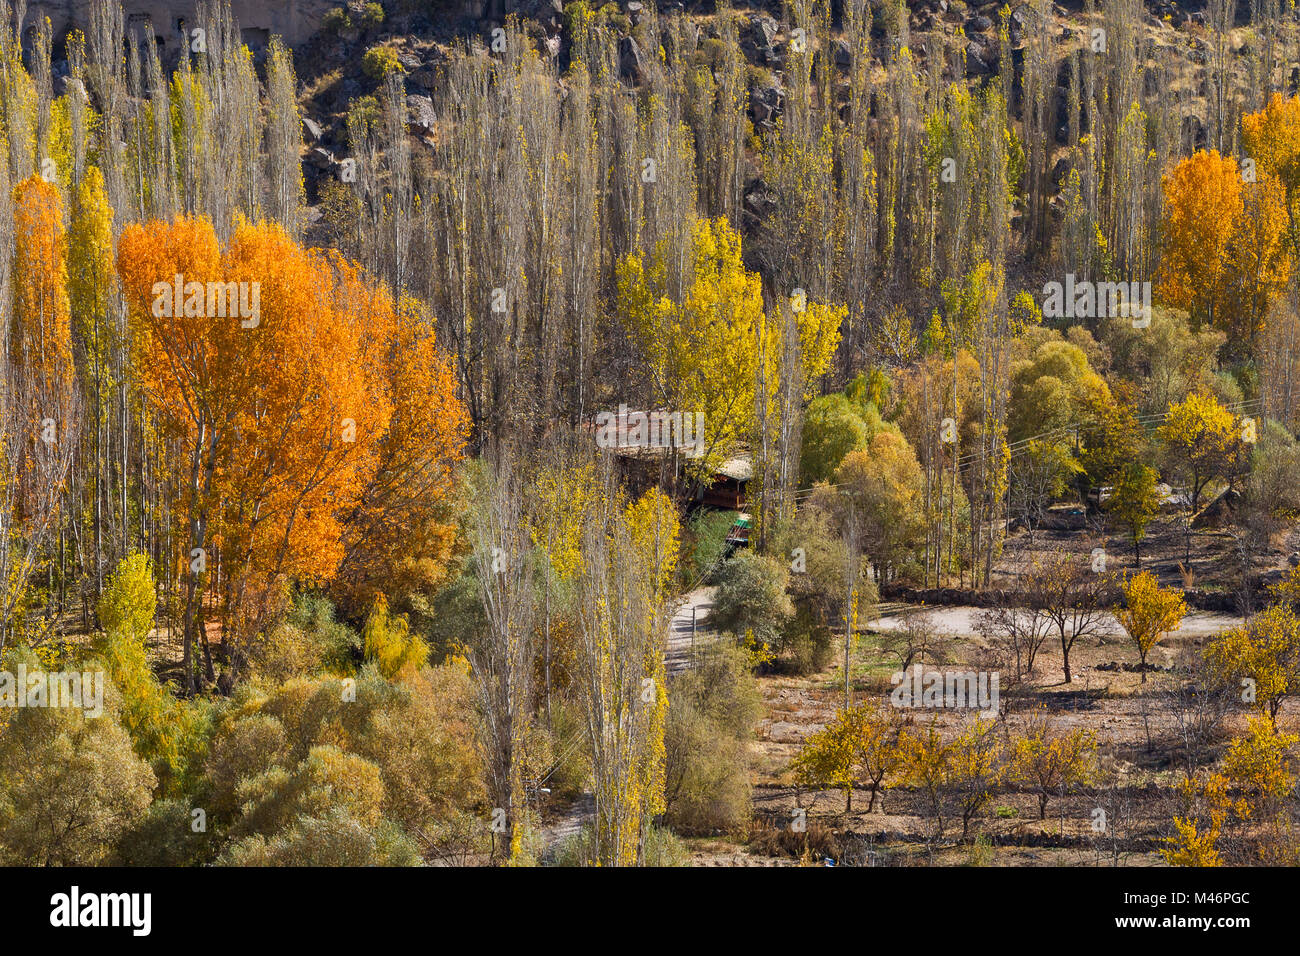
{"type": "Point", "coordinates": [319, 158]}
{"type": "Point", "coordinates": [765, 103]}
{"type": "Point", "coordinates": [843, 53]}
{"type": "Point", "coordinates": [980, 60]}
{"type": "Point", "coordinates": [420, 113]}
{"type": "Point", "coordinates": [630, 64]}
{"type": "Point", "coordinates": [758, 39]}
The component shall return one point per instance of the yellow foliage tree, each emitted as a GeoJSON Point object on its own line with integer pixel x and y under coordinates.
{"type": "Point", "coordinates": [1149, 612]}
{"type": "Point", "coordinates": [387, 640]}
{"type": "Point", "coordinates": [1224, 257]}
{"type": "Point", "coordinates": [1203, 204]}
{"type": "Point", "coordinates": [1272, 138]}
{"type": "Point", "coordinates": [708, 345]}
{"type": "Point", "coordinates": [1201, 440]}
{"type": "Point", "coordinates": [1259, 263]}
{"type": "Point", "coordinates": [860, 745]}
{"type": "Point", "coordinates": [1198, 828]}
{"type": "Point", "coordinates": [1263, 655]}
{"type": "Point", "coordinates": [1050, 761]}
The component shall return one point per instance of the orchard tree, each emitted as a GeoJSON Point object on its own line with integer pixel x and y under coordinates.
{"type": "Point", "coordinates": [859, 746]}
{"type": "Point", "coordinates": [1134, 502]}
{"type": "Point", "coordinates": [1071, 591]}
{"type": "Point", "coordinates": [1200, 439]}
{"type": "Point", "coordinates": [1261, 656]}
{"type": "Point", "coordinates": [1049, 760]}
{"type": "Point", "coordinates": [1198, 827]}
{"type": "Point", "coordinates": [1149, 612]}
{"type": "Point", "coordinates": [976, 767]}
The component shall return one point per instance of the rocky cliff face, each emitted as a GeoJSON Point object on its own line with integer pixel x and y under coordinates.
{"type": "Point", "coordinates": [165, 20]}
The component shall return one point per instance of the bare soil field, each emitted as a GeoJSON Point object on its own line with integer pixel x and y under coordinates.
{"type": "Point", "coordinates": [1209, 558]}
{"type": "Point", "coordinates": [1138, 740]}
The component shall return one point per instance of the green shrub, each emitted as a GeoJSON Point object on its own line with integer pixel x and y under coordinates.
{"type": "Point", "coordinates": [337, 647]}
{"type": "Point", "coordinates": [249, 746]}
{"type": "Point", "coordinates": [711, 715]}
{"type": "Point", "coordinates": [751, 598]}
{"type": "Point", "coordinates": [372, 16]}
{"type": "Point", "coordinates": [70, 785]}
{"type": "Point", "coordinates": [379, 61]}
{"type": "Point", "coordinates": [336, 20]}
{"type": "Point", "coordinates": [165, 836]}
{"type": "Point", "coordinates": [335, 839]}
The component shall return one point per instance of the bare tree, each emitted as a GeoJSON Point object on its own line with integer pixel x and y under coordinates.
{"type": "Point", "coordinates": [1073, 596]}
{"type": "Point", "coordinates": [1020, 632]}
{"type": "Point", "coordinates": [622, 630]}
{"type": "Point", "coordinates": [502, 653]}
{"type": "Point", "coordinates": [915, 640]}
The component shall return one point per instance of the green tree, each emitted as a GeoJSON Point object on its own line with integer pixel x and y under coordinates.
{"type": "Point", "coordinates": [832, 429]}
{"type": "Point", "coordinates": [1134, 502]}
{"type": "Point", "coordinates": [751, 599]}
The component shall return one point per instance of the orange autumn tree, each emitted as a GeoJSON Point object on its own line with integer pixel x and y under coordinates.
{"type": "Point", "coordinates": [38, 394]}
{"type": "Point", "coordinates": [401, 535]}
{"type": "Point", "coordinates": [1202, 206]}
{"type": "Point", "coordinates": [1272, 138]}
{"type": "Point", "coordinates": [42, 331]}
{"type": "Point", "coordinates": [1224, 250]}
{"type": "Point", "coordinates": [1259, 260]}
{"type": "Point", "coordinates": [274, 414]}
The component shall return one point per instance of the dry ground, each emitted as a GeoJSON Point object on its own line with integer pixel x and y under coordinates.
{"type": "Point", "coordinates": [1136, 735]}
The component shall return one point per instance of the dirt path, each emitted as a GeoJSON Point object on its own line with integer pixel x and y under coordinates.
{"type": "Point", "coordinates": [685, 629]}
{"type": "Point", "coordinates": [963, 621]}
{"type": "Point", "coordinates": [681, 634]}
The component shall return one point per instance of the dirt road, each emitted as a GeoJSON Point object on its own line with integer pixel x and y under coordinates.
{"type": "Point", "coordinates": [682, 636]}
{"type": "Point", "coordinates": [963, 621]}
{"type": "Point", "coordinates": [695, 607]}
